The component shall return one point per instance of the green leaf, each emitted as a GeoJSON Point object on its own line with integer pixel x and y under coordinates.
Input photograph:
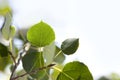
{"type": "Point", "coordinates": [75, 71]}
{"type": "Point", "coordinates": [49, 52]}
{"type": "Point", "coordinates": [40, 34]}
{"type": "Point", "coordinates": [69, 46]}
{"type": "Point", "coordinates": [6, 28]}
{"type": "Point", "coordinates": [32, 61]}
{"type": "Point", "coordinates": [59, 56]}
{"type": "Point", "coordinates": [3, 50]}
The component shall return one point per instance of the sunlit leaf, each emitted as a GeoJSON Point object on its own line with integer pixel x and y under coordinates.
{"type": "Point", "coordinates": [59, 56]}
{"type": "Point", "coordinates": [40, 34]}
{"type": "Point", "coordinates": [75, 71]}
{"type": "Point", "coordinates": [69, 46]}
{"type": "Point", "coordinates": [49, 52]}
{"type": "Point", "coordinates": [55, 72]}
{"type": "Point", "coordinates": [32, 61]}
{"type": "Point", "coordinates": [3, 50]}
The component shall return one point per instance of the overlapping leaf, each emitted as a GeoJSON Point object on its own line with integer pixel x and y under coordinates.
{"type": "Point", "coordinates": [33, 61]}
{"type": "Point", "coordinates": [49, 52]}
{"type": "Point", "coordinates": [75, 71]}
{"type": "Point", "coordinates": [3, 50]}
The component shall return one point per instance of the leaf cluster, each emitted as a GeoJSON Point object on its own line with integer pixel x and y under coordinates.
{"type": "Point", "coordinates": [41, 58]}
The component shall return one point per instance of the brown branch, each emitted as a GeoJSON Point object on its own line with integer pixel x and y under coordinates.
{"type": "Point", "coordinates": [18, 62]}
{"type": "Point", "coordinates": [33, 72]}
{"type": "Point", "coordinates": [13, 58]}
{"type": "Point", "coordinates": [16, 65]}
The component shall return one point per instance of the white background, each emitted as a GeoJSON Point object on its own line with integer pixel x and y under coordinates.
{"type": "Point", "coordinates": [95, 22]}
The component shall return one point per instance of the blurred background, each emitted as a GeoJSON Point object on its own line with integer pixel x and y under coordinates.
{"type": "Point", "coordinates": [95, 22]}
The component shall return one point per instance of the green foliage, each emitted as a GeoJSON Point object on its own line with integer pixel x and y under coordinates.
{"type": "Point", "coordinates": [69, 46]}
{"type": "Point", "coordinates": [75, 71]}
{"type": "Point", "coordinates": [40, 56]}
{"type": "Point", "coordinates": [40, 34]}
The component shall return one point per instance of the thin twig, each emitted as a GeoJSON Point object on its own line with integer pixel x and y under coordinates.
{"type": "Point", "coordinates": [16, 65]}
{"type": "Point", "coordinates": [18, 61]}
{"type": "Point", "coordinates": [13, 70]}
{"type": "Point", "coordinates": [33, 72]}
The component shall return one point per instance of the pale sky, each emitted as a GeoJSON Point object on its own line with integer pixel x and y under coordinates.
{"type": "Point", "coordinates": [95, 22]}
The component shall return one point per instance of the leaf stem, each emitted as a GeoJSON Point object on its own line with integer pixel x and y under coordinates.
{"type": "Point", "coordinates": [58, 54]}
{"type": "Point", "coordinates": [56, 68]}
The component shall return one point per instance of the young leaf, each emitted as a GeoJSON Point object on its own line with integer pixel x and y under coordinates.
{"type": "Point", "coordinates": [3, 50]}
{"type": "Point", "coordinates": [69, 46]}
{"type": "Point", "coordinates": [40, 34]}
{"type": "Point", "coordinates": [75, 71]}
{"type": "Point", "coordinates": [33, 61]}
